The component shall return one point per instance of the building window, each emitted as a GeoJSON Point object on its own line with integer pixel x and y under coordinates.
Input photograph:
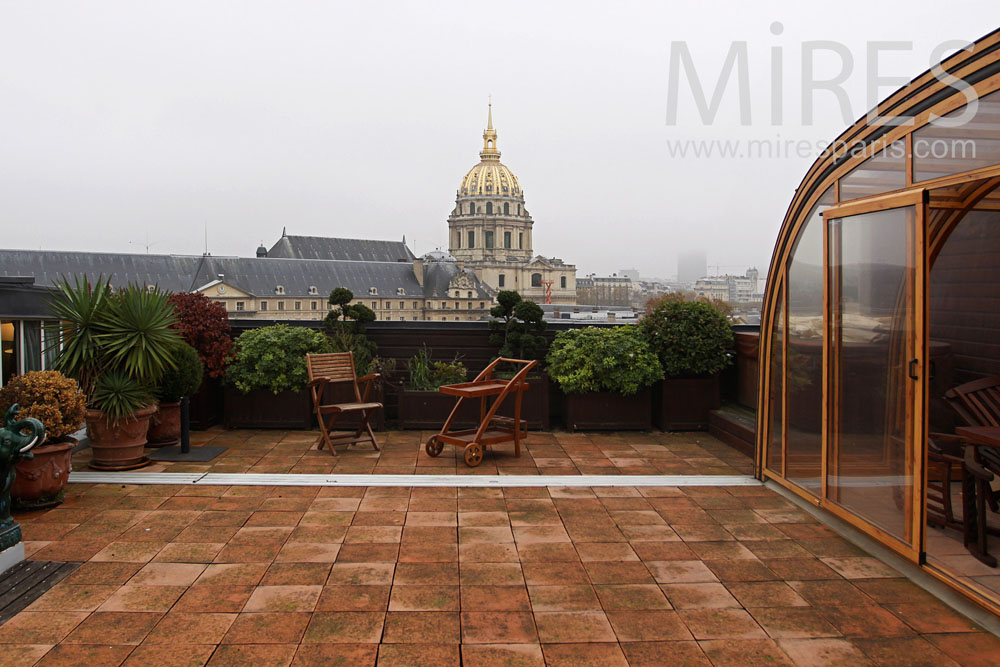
{"type": "Point", "coordinates": [374, 305]}
{"type": "Point", "coordinates": [416, 304]}
{"type": "Point", "coordinates": [444, 304]}
{"type": "Point", "coordinates": [500, 280]}
{"type": "Point", "coordinates": [469, 305]}
{"type": "Point", "coordinates": [469, 294]}
{"type": "Point", "coordinates": [402, 305]}
{"type": "Point", "coordinates": [329, 306]}
{"type": "Point", "coordinates": [506, 239]}
{"type": "Point", "coordinates": [472, 209]}
{"type": "Point", "coordinates": [458, 304]}
{"type": "Point", "coordinates": [562, 282]}
{"type": "Point", "coordinates": [520, 239]}
{"type": "Point", "coordinates": [372, 291]}
{"type": "Point", "coordinates": [458, 239]}
{"type": "Point", "coordinates": [298, 305]}
{"type": "Point", "coordinates": [472, 239]}
{"type": "Point", "coordinates": [519, 209]}
{"type": "Point", "coordinates": [279, 290]}
{"type": "Point", "coordinates": [414, 317]}
{"type": "Point", "coordinates": [263, 305]}
{"type": "Point", "coordinates": [489, 208]}
{"type": "Point", "coordinates": [313, 290]}
{"type": "Point", "coordinates": [506, 208]}
{"type": "Point", "coordinates": [239, 305]}
{"type": "Point", "coordinates": [281, 305]}
{"type": "Point", "coordinates": [481, 305]}
{"type": "Point", "coordinates": [312, 305]}
{"type": "Point", "coordinates": [489, 239]}
{"type": "Point", "coordinates": [388, 305]}
{"type": "Point", "coordinates": [401, 318]}
{"type": "Point", "coordinates": [536, 280]}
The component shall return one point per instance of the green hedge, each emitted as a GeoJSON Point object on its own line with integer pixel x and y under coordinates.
{"type": "Point", "coordinates": [614, 359]}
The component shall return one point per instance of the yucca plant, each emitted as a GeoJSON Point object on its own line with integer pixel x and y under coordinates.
{"type": "Point", "coordinates": [116, 343]}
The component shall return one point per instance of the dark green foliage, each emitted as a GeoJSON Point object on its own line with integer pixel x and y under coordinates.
{"type": "Point", "coordinates": [691, 339]}
{"type": "Point", "coordinates": [116, 344]}
{"type": "Point", "coordinates": [517, 326]}
{"type": "Point", "coordinates": [613, 359]}
{"type": "Point", "coordinates": [345, 327]}
{"type": "Point", "coordinates": [183, 380]}
{"type": "Point", "coordinates": [427, 375]}
{"type": "Point", "coordinates": [274, 358]}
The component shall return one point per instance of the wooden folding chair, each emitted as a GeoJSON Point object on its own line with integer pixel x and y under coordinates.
{"type": "Point", "coordinates": [337, 368]}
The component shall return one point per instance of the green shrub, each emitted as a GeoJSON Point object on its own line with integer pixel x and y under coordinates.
{"type": "Point", "coordinates": [274, 358]}
{"type": "Point", "coordinates": [613, 359]}
{"type": "Point", "coordinates": [427, 375]}
{"type": "Point", "coordinates": [116, 343]}
{"type": "Point", "coordinates": [691, 339]}
{"type": "Point", "coordinates": [517, 326]}
{"type": "Point", "coordinates": [183, 380]}
{"type": "Point", "coordinates": [345, 327]}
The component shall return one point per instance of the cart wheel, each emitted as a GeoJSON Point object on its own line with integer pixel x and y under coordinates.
{"type": "Point", "coordinates": [473, 454]}
{"type": "Point", "coordinates": [433, 446]}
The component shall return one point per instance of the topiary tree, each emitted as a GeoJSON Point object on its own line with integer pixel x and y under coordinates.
{"type": "Point", "coordinates": [48, 396]}
{"type": "Point", "coordinates": [691, 339]}
{"type": "Point", "coordinates": [183, 380]}
{"type": "Point", "coordinates": [204, 325]}
{"type": "Point", "coordinates": [517, 326]}
{"type": "Point", "coordinates": [613, 359]}
{"type": "Point", "coordinates": [274, 358]}
{"type": "Point", "coordinates": [345, 327]}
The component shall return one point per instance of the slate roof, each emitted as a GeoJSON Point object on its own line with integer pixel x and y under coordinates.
{"type": "Point", "coordinates": [323, 247]}
{"type": "Point", "coordinates": [184, 273]}
{"type": "Point", "coordinates": [437, 275]}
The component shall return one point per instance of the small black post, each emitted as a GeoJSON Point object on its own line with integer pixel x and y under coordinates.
{"type": "Point", "coordinates": [185, 425]}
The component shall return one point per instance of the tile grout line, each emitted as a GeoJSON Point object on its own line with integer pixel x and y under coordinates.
{"type": "Point", "coordinates": [464, 481]}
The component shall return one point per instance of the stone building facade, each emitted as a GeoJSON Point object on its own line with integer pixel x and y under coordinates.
{"type": "Point", "coordinates": [490, 232]}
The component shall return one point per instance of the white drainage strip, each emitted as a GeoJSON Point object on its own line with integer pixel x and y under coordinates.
{"type": "Point", "coordinates": [499, 481]}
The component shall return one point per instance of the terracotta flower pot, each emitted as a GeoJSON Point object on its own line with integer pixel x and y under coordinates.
{"type": "Point", "coordinates": [118, 446]}
{"type": "Point", "coordinates": [165, 426]}
{"type": "Point", "coordinates": [39, 483]}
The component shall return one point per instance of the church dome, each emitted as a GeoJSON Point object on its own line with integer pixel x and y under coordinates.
{"type": "Point", "coordinates": [490, 176]}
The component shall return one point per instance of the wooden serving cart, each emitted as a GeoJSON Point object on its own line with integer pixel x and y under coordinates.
{"type": "Point", "coordinates": [493, 429]}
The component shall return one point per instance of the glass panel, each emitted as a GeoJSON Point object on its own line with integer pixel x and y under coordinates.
{"type": "Point", "coordinates": [8, 351]}
{"type": "Point", "coordinates": [871, 280]}
{"type": "Point", "coordinates": [50, 344]}
{"type": "Point", "coordinates": [942, 151]}
{"type": "Point", "coordinates": [776, 355]}
{"type": "Point", "coordinates": [883, 172]}
{"type": "Point", "coordinates": [32, 345]}
{"type": "Point", "coordinates": [804, 375]}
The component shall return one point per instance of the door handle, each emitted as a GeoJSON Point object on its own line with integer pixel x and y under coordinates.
{"type": "Point", "coordinates": [913, 369]}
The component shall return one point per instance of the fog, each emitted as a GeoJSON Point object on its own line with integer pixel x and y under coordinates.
{"type": "Point", "coordinates": [133, 125]}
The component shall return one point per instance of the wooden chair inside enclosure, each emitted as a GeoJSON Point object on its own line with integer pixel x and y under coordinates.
{"type": "Point", "coordinates": [977, 403]}
{"type": "Point", "coordinates": [338, 368]}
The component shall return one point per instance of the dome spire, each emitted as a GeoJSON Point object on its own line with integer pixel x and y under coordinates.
{"type": "Point", "coordinates": [490, 151]}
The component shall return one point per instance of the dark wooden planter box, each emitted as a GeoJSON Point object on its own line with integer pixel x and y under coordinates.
{"type": "Point", "coordinates": [206, 404]}
{"type": "Point", "coordinates": [684, 404]}
{"type": "Point", "coordinates": [343, 392]}
{"type": "Point", "coordinates": [264, 409]}
{"type": "Point", "coordinates": [605, 411]}
{"type": "Point", "coordinates": [429, 409]}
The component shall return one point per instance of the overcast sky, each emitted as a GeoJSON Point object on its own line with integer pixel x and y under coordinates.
{"type": "Point", "coordinates": [134, 122]}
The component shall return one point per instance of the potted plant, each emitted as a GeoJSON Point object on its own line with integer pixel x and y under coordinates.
{"type": "Point", "coordinates": [345, 327]}
{"type": "Point", "coordinates": [267, 378]}
{"type": "Point", "coordinates": [176, 383]}
{"type": "Point", "coordinates": [204, 324]}
{"type": "Point", "coordinates": [116, 343]}
{"type": "Point", "coordinates": [421, 406]}
{"type": "Point", "coordinates": [517, 327]}
{"type": "Point", "coordinates": [57, 402]}
{"type": "Point", "coordinates": [693, 341]}
{"type": "Point", "coordinates": [605, 374]}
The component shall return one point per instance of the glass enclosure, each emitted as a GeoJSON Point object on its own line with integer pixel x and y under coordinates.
{"type": "Point", "coordinates": [882, 311]}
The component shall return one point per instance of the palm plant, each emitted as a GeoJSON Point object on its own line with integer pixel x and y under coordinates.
{"type": "Point", "coordinates": [116, 343]}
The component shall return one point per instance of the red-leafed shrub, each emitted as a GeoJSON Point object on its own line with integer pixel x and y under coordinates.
{"type": "Point", "coordinates": [204, 324]}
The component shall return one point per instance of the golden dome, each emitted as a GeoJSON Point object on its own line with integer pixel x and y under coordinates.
{"type": "Point", "coordinates": [490, 176]}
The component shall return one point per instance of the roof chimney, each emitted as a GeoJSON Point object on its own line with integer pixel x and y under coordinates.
{"type": "Point", "coordinates": [418, 270]}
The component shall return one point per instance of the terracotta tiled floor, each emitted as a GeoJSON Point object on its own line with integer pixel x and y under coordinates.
{"type": "Point", "coordinates": [517, 576]}
{"type": "Point", "coordinates": [402, 452]}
